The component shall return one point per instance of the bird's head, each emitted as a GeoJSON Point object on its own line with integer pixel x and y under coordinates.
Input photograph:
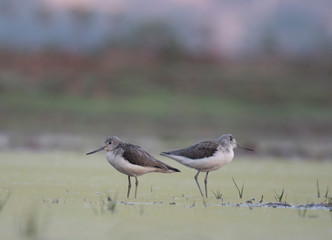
{"type": "Point", "coordinates": [229, 139]}
{"type": "Point", "coordinates": [110, 144]}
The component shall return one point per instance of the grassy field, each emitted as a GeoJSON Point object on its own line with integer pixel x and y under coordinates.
{"type": "Point", "coordinates": [167, 100]}
{"type": "Point", "coordinates": [67, 195]}
{"type": "Point", "coordinates": [282, 129]}
{"type": "Point", "coordinates": [281, 109]}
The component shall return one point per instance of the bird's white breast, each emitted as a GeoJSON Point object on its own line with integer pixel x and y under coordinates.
{"type": "Point", "coordinates": [125, 167]}
{"type": "Point", "coordinates": [212, 163]}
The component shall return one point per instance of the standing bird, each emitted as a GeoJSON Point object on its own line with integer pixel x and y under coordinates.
{"type": "Point", "coordinates": [206, 156]}
{"type": "Point", "coordinates": [131, 160]}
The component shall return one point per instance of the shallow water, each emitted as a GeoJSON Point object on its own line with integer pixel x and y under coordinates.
{"type": "Point", "coordinates": [62, 195]}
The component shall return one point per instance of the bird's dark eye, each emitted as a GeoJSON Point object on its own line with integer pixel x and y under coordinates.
{"type": "Point", "coordinates": [109, 142]}
{"type": "Point", "coordinates": [231, 138]}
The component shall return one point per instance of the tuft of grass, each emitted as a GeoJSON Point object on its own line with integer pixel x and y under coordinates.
{"type": "Point", "coordinates": [217, 194]}
{"type": "Point", "coordinates": [318, 190]}
{"type": "Point", "coordinates": [111, 204]}
{"type": "Point", "coordinates": [32, 225]}
{"type": "Point", "coordinates": [240, 192]}
{"type": "Point", "coordinates": [4, 201]}
{"type": "Point", "coordinates": [105, 205]}
{"type": "Point", "coordinates": [279, 197]}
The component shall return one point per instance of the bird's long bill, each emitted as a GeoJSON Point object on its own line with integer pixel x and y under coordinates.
{"type": "Point", "coordinates": [94, 151]}
{"type": "Point", "coordinates": [245, 148]}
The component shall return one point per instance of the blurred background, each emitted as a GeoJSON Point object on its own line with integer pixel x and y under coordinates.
{"type": "Point", "coordinates": [165, 74]}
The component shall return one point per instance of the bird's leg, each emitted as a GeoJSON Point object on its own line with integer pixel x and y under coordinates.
{"type": "Point", "coordinates": [129, 186]}
{"type": "Point", "coordinates": [198, 183]}
{"type": "Point", "coordinates": [136, 183]}
{"type": "Point", "coordinates": [205, 182]}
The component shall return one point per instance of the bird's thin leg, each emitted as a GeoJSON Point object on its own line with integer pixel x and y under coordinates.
{"type": "Point", "coordinates": [136, 183]}
{"type": "Point", "coordinates": [129, 186]}
{"type": "Point", "coordinates": [205, 182]}
{"type": "Point", "coordinates": [199, 187]}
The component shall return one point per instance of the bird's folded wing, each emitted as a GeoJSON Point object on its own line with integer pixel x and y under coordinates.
{"type": "Point", "coordinates": [138, 156]}
{"type": "Point", "coordinates": [197, 151]}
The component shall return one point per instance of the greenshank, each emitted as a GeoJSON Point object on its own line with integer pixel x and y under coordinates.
{"type": "Point", "coordinates": [206, 156]}
{"type": "Point", "coordinates": [131, 160]}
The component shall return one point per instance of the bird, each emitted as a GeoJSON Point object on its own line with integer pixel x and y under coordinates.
{"type": "Point", "coordinates": [206, 156]}
{"type": "Point", "coordinates": [131, 160]}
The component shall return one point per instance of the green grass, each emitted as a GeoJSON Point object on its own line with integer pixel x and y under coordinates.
{"type": "Point", "coordinates": [279, 196]}
{"type": "Point", "coordinates": [161, 113]}
{"type": "Point", "coordinates": [156, 104]}
{"type": "Point", "coordinates": [217, 194]}
{"type": "Point", "coordinates": [240, 192]}
{"type": "Point", "coordinates": [164, 100]}
{"type": "Point", "coordinates": [326, 195]}
{"type": "Point", "coordinates": [64, 195]}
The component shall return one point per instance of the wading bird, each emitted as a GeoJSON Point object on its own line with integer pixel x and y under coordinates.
{"type": "Point", "coordinates": [206, 156]}
{"type": "Point", "coordinates": [131, 160]}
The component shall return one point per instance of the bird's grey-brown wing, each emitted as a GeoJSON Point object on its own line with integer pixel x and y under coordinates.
{"type": "Point", "coordinates": [138, 156]}
{"type": "Point", "coordinates": [200, 150]}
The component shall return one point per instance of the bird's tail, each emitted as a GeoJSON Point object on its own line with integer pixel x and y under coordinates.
{"type": "Point", "coordinates": [165, 168]}
{"type": "Point", "coordinates": [165, 154]}
{"type": "Point", "coordinates": [173, 169]}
